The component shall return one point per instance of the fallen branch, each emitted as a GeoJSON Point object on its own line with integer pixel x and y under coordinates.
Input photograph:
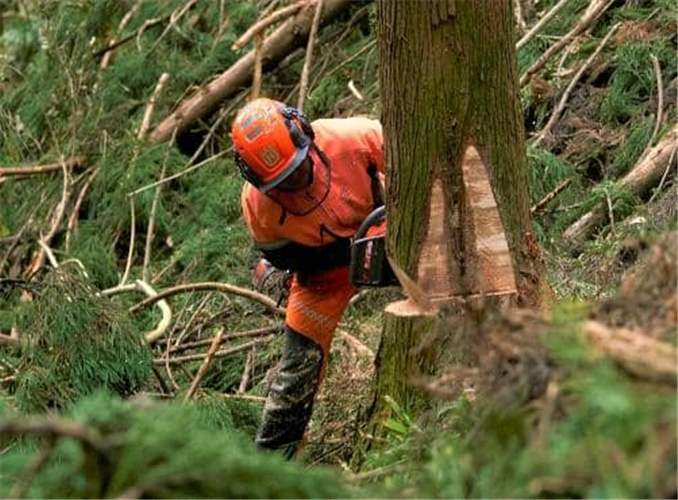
{"type": "Point", "coordinates": [643, 356]}
{"type": "Point", "coordinates": [210, 286]}
{"type": "Point", "coordinates": [539, 206]}
{"type": "Point", "coordinates": [9, 340]}
{"type": "Point", "coordinates": [262, 24]}
{"type": "Point", "coordinates": [356, 345]}
{"type": "Point", "coordinates": [73, 219]}
{"type": "Point", "coordinates": [644, 175]}
{"type": "Point", "coordinates": [303, 85]}
{"type": "Point", "coordinates": [105, 61]}
{"type": "Point", "coordinates": [518, 15]}
{"type": "Point", "coordinates": [249, 365]}
{"type": "Point", "coordinates": [276, 47]}
{"type": "Point", "coordinates": [132, 238]}
{"type": "Point", "coordinates": [72, 163]}
{"type": "Point", "coordinates": [58, 215]}
{"type": "Point", "coordinates": [258, 332]}
{"type": "Point", "coordinates": [205, 365]}
{"type": "Point", "coordinates": [542, 22]}
{"type": "Point", "coordinates": [164, 307]}
{"type": "Point", "coordinates": [660, 98]}
{"type": "Point", "coordinates": [148, 112]}
{"type": "Point", "coordinates": [219, 354]}
{"type": "Point", "coordinates": [566, 95]}
{"type": "Point", "coordinates": [595, 10]}
{"type": "Point", "coordinates": [141, 286]}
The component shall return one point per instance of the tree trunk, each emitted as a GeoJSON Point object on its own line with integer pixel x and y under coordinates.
{"type": "Point", "coordinates": [458, 205]}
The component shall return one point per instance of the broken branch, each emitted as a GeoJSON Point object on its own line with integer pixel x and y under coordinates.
{"type": "Point", "coordinates": [219, 354]}
{"type": "Point", "coordinates": [566, 95]}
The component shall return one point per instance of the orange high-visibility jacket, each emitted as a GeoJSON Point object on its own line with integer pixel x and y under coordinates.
{"type": "Point", "coordinates": [353, 147]}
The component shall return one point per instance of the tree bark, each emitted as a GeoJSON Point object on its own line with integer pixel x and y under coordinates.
{"type": "Point", "coordinates": [290, 35]}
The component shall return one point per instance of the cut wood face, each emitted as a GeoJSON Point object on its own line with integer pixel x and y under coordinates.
{"type": "Point", "coordinates": [487, 268]}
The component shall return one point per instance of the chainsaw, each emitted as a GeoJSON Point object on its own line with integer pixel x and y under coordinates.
{"type": "Point", "coordinates": [369, 265]}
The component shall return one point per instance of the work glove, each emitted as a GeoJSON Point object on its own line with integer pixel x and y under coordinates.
{"type": "Point", "coordinates": [271, 281]}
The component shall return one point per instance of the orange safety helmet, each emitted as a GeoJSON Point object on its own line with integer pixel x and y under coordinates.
{"type": "Point", "coordinates": [270, 141]}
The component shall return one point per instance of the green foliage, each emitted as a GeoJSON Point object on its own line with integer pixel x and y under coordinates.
{"type": "Point", "coordinates": [165, 451]}
{"type": "Point", "coordinates": [606, 444]}
{"type": "Point", "coordinates": [633, 80]}
{"type": "Point", "coordinates": [74, 343]}
{"type": "Point", "coordinates": [630, 152]}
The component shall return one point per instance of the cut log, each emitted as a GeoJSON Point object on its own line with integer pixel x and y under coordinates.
{"type": "Point", "coordinates": [639, 354]}
{"type": "Point", "coordinates": [291, 34]}
{"type": "Point", "coordinates": [644, 175]}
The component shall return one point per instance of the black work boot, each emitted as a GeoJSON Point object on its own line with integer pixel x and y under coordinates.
{"type": "Point", "coordinates": [289, 403]}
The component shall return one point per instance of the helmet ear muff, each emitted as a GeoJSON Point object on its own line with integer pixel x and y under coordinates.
{"type": "Point", "coordinates": [300, 128]}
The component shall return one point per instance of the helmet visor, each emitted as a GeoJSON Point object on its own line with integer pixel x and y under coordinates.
{"type": "Point", "coordinates": [297, 160]}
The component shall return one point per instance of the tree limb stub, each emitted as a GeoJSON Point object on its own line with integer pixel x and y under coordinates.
{"type": "Point", "coordinates": [290, 35]}
{"type": "Point", "coordinates": [641, 355]}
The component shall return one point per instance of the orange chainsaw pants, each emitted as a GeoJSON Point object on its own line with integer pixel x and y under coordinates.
{"type": "Point", "coordinates": [315, 307]}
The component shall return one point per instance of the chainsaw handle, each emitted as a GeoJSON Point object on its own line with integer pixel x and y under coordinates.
{"type": "Point", "coordinates": [376, 216]}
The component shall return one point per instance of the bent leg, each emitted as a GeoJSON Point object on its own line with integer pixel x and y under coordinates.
{"type": "Point", "coordinates": [289, 403]}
